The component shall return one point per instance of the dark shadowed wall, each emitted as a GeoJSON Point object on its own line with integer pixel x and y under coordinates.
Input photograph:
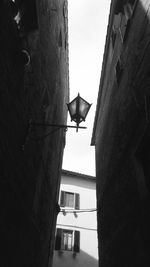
{"type": "Point", "coordinates": [121, 136]}
{"type": "Point", "coordinates": [31, 156]}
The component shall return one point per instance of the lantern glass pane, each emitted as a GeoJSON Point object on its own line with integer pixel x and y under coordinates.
{"type": "Point", "coordinates": [72, 108]}
{"type": "Point", "coordinates": [78, 109]}
{"type": "Point", "coordinates": [83, 108]}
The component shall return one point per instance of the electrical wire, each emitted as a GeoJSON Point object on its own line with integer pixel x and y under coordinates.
{"type": "Point", "coordinates": [77, 211]}
{"type": "Point", "coordinates": [77, 227]}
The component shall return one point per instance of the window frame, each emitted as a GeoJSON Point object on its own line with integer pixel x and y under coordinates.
{"type": "Point", "coordinates": [63, 201]}
{"type": "Point", "coordinates": [60, 245]}
{"type": "Point", "coordinates": [118, 70]}
{"type": "Point", "coordinates": [113, 36]}
{"type": "Point", "coordinates": [65, 244]}
{"type": "Point", "coordinates": [124, 27]}
{"type": "Point", "coordinates": [127, 14]}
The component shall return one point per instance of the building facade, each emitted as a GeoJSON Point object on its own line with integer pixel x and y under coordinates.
{"type": "Point", "coordinates": [34, 85]}
{"type": "Point", "coordinates": [121, 138]}
{"type": "Point", "coordinates": [76, 232]}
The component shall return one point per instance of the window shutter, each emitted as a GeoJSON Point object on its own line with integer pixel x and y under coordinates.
{"type": "Point", "coordinates": [62, 199]}
{"type": "Point", "coordinates": [58, 239]}
{"type": "Point", "coordinates": [76, 241]}
{"type": "Point", "coordinates": [119, 70]}
{"type": "Point", "coordinates": [122, 28]}
{"type": "Point", "coordinates": [128, 11]}
{"type": "Point", "coordinates": [113, 36]}
{"type": "Point", "coordinates": [77, 201]}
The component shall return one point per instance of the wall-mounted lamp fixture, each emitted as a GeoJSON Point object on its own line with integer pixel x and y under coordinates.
{"type": "Point", "coordinates": [78, 109]}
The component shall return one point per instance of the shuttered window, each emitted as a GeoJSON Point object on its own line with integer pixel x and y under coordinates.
{"type": "Point", "coordinates": [62, 199]}
{"type": "Point", "coordinates": [71, 200]}
{"type": "Point", "coordinates": [123, 27]}
{"type": "Point", "coordinates": [128, 9]}
{"type": "Point", "coordinates": [119, 70]}
{"type": "Point", "coordinates": [67, 240]}
{"type": "Point", "coordinates": [76, 241]}
{"type": "Point", "coordinates": [58, 239]}
{"type": "Point", "coordinates": [77, 201]}
{"type": "Point", "coordinates": [113, 36]}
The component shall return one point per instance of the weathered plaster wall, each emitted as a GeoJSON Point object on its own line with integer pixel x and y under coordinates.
{"type": "Point", "coordinates": [30, 165]}
{"type": "Point", "coordinates": [85, 222]}
{"type": "Point", "coordinates": [121, 139]}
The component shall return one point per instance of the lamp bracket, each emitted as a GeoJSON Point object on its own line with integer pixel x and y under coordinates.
{"type": "Point", "coordinates": [37, 124]}
{"type": "Point", "coordinates": [56, 125]}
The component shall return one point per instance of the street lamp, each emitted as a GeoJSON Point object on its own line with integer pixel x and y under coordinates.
{"type": "Point", "coordinates": [78, 109]}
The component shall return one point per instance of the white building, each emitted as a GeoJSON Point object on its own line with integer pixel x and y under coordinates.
{"type": "Point", "coordinates": [76, 232]}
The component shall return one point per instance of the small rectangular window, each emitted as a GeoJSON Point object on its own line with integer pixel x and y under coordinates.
{"type": "Point", "coordinates": [70, 200]}
{"type": "Point", "coordinates": [58, 239]}
{"type": "Point", "coordinates": [119, 70]}
{"type": "Point", "coordinates": [76, 241]}
{"type": "Point", "coordinates": [113, 36]}
{"type": "Point", "coordinates": [123, 26]}
{"type": "Point", "coordinates": [128, 11]}
{"type": "Point", "coordinates": [67, 240]}
{"type": "Point", "coordinates": [127, 14]}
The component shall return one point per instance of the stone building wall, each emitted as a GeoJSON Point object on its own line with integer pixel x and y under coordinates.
{"type": "Point", "coordinates": [121, 137]}
{"type": "Point", "coordinates": [31, 156]}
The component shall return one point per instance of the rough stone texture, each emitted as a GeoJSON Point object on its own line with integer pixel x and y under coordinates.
{"type": "Point", "coordinates": [121, 136]}
{"type": "Point", "coordinates": [30, 159]}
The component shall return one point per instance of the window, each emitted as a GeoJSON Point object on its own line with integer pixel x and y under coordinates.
{"type": "Point", "coordinates": [60, 39]}
{"type": "Point", "coordinates": [127, 14]}
{"type": "Point", "coordinates": [119, 70]}
{"type": "Point", "coordinates": [128, 10]}
{"type": "Point", "coordinates": [113, 36]}
{"type": "Point", "coordinates": [67, 237]}
{"type": "Point", "coordinates": [124, 26]}
{"type": "Point", "coordinates": [67, 240]}
{"type": "Point", "coordinates": [68, 199]}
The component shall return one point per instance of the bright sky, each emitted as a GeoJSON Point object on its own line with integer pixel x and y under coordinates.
{"type": "Point", "coordinates": [88, 20]}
